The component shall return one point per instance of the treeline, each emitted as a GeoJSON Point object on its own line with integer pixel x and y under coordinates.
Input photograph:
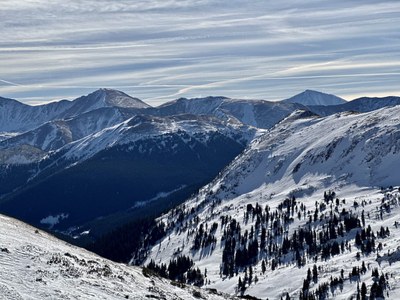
{"type": "Point", "coordinates": [179, 269]}
{"type": "Point", "coordinates": [325, 235]}
{"type": "Point", "coordinates": [313, 291]}
{"type": "Point", "coordinates": [121, 243]}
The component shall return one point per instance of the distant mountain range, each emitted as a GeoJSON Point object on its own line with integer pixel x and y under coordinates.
{"type": "Point", "coordinates": [107, 153]}
{"type": "Point", "coordinates": [243, 196]}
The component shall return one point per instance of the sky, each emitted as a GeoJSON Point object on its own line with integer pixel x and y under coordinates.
{"type": "Point", "coordinates": [166, 49]}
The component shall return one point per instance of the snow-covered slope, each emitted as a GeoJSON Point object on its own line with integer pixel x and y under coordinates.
{"type": "Point", "coordinates": [50, 136]}
{"type": "Point", "coordinates": [94, 121]}
{"type": "Point", "coordinates": [353, 148]}
{"type": "Point", "coordinates": [35, 265]}
{"type": "Point", "coordinates": [17, 117]}
{"type": "Point", "coordinates": [189, 127]}
{"type": "Point", "coordinates": [282, 185]}
{"type": "Point", "coordinates": [7, 135]}
{"type": "Point", "coordinates": [102, 98]}
{"type": "Point", "coordinates": [310, 97]}
{"type": "Point", "coordinates": [56, 134]}
{"type": "Point", "coordinates": [257, 113]}
{"type": "Point", "coordinates": [357, 148]}
{"type": "Point", "coordinates": [198, 106]}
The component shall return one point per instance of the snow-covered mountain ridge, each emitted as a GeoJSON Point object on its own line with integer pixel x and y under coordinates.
{"type": "Point", "coordinates": [100, 99]}
{"type": "Point", "coordinates": [35, 265]}
{"type": "Point", "coordinates": [355, 148]}
{"type": "Point", "coordinates": [18, 117]}
{"type": "Point", "coordinates": [307, 176]}
{"type": "Point", "coordinates": [51, 126]}
{"type": "Point", "coordinates": [257, 113]}
{"type": "Point", "coordinates": [333, 146]}
{"type": "Point", "coordinates": [141, 127]}
{"type": "Point", "coordinates": [55, 134]}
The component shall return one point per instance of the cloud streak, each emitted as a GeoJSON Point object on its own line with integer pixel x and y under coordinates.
{"type": "Point", "coordinates": [10, 83]}
{"type": "Point", "coordinates": [158, 50]}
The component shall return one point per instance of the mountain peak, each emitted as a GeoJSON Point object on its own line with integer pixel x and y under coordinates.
{"type": "Point", "coordinates": [311, 97]}
{"type": "Point", "coordinates": [102, 98]}
{"type": "Point", "coordinates": [115, 98]}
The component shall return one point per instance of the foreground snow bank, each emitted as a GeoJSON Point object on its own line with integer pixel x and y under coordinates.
{"type": "Point", "coordinates": [36, 265]}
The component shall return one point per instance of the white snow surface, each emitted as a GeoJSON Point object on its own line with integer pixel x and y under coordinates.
{"type": "Point", "coordinates": [35, 265]}
{"type": "Point", "coordinates": [352, 154]}
{"type": "Point", "coordinates": [7, 135]}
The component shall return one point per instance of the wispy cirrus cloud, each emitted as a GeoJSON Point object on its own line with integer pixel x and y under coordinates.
{"type": "Point", "coordinates": [158, 50]}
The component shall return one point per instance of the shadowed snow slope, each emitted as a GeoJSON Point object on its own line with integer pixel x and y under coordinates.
{"type": "Point", "coordinates": [115, 168]}
{"type": "Point", "coordinates": [35, 265]}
